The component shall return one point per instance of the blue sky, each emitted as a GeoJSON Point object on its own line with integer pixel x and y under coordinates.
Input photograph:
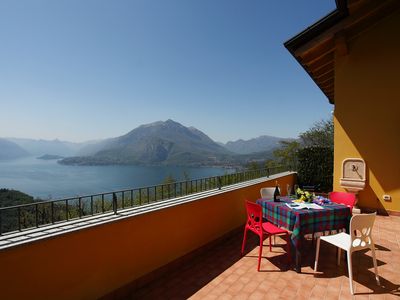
{"type": "Point", "coordinates": [87, 69]}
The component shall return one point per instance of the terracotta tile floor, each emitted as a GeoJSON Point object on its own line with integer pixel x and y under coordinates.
{"type": "Point", "coordinates": [221, 273]}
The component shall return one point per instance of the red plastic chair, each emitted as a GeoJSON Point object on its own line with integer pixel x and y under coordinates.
{"type": "Point", "coordinates": [348, 199]}
{"type": "Point", "coordinates": [262, 229]}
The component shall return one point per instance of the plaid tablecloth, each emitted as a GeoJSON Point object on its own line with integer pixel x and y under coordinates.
{"type": "Point", "coordinates": [304, 221]}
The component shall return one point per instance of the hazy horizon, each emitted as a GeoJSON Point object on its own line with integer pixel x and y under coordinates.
{"type": "Point", "coordinates": [94, 140]}
{"type": "Point", "coordinates": [88, 70]}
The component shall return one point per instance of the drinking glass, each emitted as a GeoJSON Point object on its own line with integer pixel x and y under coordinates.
{"type": "Point", "coordinates": [288, 189]}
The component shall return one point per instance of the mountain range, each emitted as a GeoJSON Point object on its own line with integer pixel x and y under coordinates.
{"type": "Point", "coordinates": [162, 142]}
{"type": "Point", "coordinates": [41, 147]}
{"type": "Point", "coordinates": [157, 143]}
{"type": "Point", "coordinates": [262, 143]}
{"type": "Point", "coordinates": [10, 150]}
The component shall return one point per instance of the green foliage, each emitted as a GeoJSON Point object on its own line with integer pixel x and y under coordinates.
{"type": "Point", "coordinates": [316, 167]}
{"type": "Point", "coordinates": [12, 197]}
{"type": "Point", "coordinates": [252, 166]}
{"type": "Point", "coordinates": [320, 135]}
{"type": "Point", "coordinates": [167, 188]}
{"type": "Point", "coordinates": [271, 164]}
{"type": "Point", "coordinates": [286, 155]}
{"type": "Point", "coordinates": [169, 179]}
{"type": "Point", "coordinates": [312, 157]}
{"type": "Point", "coordinates": [316, 158]}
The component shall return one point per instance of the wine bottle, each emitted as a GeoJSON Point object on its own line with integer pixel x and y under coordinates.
{"type": "Point", "coordinates": [276, 192]}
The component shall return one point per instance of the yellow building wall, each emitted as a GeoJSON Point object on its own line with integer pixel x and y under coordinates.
{"type": "Point", "coordinates": [367, 111]}
{"type": "Point", "coordinates": [92, 262]}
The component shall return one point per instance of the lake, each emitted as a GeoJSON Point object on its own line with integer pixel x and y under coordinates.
{"type": "Point", "coordinates": [48, 179]}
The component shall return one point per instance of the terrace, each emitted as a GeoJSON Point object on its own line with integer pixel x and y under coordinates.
{"type": "Point", "coordinates": [219, 272]}
{"type": "Point", "coordinates": [188, 248]}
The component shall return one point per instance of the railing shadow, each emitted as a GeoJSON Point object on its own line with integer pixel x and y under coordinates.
{"type": "Point", "coordinates": [206, 267]}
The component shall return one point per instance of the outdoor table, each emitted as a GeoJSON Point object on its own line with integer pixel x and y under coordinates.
{"type": "Point", "coordinates": [304, 221]}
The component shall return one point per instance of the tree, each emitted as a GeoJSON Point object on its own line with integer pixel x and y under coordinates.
{"type": "Point", "coordinates": [167, 188]}
{"type": "Point", "coordinates": [316, 167]}
{"type": "Point", "coordinates": [286, 155]}
{"type": "Point", "coordinates": [252, 166]}
{"type": "Point", "coordinates": [320, 135]}
{"type": "Point", "coordinates": [271, 164]}
{"type": "Point", "coordinates": [316, 155]}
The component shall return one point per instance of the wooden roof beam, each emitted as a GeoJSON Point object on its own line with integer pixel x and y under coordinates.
{"type": "Point", "coordinates": [321, 62]}
{"type": "Point", "coordinates": [373, 9]}
{"type": "Point", "coordinates": [326, 83]}
{"type": "Point", "coordinates": [323, 70]}
{"type": "Point", "coordinates": [317, 52]}
{"type": "Point", "coordinates": [326, 76]}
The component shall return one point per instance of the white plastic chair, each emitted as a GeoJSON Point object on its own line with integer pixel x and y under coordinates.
{"type": "Point", "coordinates": [360, 237]}
{"type": "Point", "coordinates": [267, 192]}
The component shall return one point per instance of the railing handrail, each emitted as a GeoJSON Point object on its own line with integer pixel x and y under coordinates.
{"type": "Point", "coordinates": [150, 191]}
{"type": "Point", "coordinates": [126, 190]}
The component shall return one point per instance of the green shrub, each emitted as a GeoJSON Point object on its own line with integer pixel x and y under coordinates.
{"type": "Point", "coordinates": [316, 167]}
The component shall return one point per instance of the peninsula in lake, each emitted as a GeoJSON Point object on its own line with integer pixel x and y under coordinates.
{"type": "Point", "coordinates": [50, 157]}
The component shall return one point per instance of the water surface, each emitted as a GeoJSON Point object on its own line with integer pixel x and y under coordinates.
{"type": "Point", "coordinates": [48, 179]}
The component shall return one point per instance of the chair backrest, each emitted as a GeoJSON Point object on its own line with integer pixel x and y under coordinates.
{"type": "Point", "coordinates": [361, 230]}
{"type": "Point", "coordinates": [348, 199]}
{"type": "Point", "coordinates": [254, 217]}
{"type": "Point", "coordinates": [268, 192]}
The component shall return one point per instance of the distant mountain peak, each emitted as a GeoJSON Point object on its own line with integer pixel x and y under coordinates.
{"type": "Point", "coordinates": [254, 145]}
{"type": "Point", "coordinates": [10, 150]}
{"type": "Point", "coordinates": [166, 142]}
{"type": "Point", "coordinates": [161, 123]}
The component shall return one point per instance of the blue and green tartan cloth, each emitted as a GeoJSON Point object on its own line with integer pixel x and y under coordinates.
{"type": "Point", "coordinates": [304, 221]}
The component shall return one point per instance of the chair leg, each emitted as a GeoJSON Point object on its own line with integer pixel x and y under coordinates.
{"type": "Point", "coordinates": [339, 254]}
{"type": "Point", "coordinates": [349, 264]}
{"type": "Point", "coordinates": [375, 264]}
{"type": "Point", "coordinates": [259, 253]}
{"type": "Point", "coordinates": [317, 254]}
{"type": "Point", "coordinates": [270, 249]}
{"type": "Point", "coordinates": [244, 240]}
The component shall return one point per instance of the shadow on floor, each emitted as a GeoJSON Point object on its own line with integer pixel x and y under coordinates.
{"type": "Point", "coordinates": [183, 283]}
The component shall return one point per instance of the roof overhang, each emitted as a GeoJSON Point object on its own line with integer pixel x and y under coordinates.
{"type": "Point", "coordinates": [316, 46]}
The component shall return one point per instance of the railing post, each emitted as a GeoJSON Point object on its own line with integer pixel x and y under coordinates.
{"type": "Point", "coordinates": [219, 182]}
{"type": "Point", "coordinates": [66, 210]}
{"type": "Point", "coordinates": [1, 223]}
{"type": "Point", "coordinates": [80, 207]}
{"type": "Point", "coordinates": [36, 216]}
{"type": "Point", "coordinates": [114, 203]}
{"type": "Point", "coordinates": [175, 185]}
{"type": "Point", "coordinates": [52, 212]}
{"type": "Point", "coordinates": [19, 218]}
{"type": "Point", "coordinates": [91, 205]}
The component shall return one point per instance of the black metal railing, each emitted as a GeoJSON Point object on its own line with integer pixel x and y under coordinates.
{"type": "Point", "coordinates": [42, 213]}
